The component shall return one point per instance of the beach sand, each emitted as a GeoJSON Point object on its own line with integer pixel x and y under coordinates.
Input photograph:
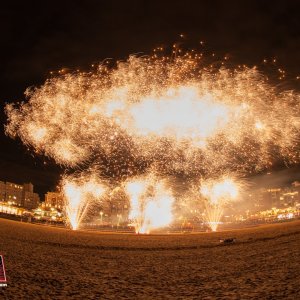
{"type": "Point", "coordinates": [55, 263]}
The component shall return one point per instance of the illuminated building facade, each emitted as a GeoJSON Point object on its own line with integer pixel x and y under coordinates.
{"type": "Point", "coordinates": [19, 195]}
{"type": "Point", "coordinates": [54, 199]}
{"type": "Point", "coordinates": [31, 199]}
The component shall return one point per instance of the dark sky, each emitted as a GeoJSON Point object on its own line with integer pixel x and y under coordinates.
{"type": "Point", "coordinates": [40, 36]}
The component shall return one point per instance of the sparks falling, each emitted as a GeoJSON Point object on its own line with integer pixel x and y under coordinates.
{"type": "Point", "coordinates": [218, 193]}
{"type": "Point", "coordinates": [150, 204]}
{"type": "Point", "coordinates": [170, 115]}
{"type": "Point", "coordinates": [79, 193]}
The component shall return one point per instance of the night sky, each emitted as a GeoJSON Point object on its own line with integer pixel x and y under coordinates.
{"type": "Point", "coordinates": [42, 36]}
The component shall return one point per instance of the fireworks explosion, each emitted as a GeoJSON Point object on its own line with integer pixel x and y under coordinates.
{"type": "Point", "coordinates": [218, 193]}
{"type": "Point", "coordinates": [151, 204]}
{"type": "Point", "coordinates": [172, 116]}
{"type": "Point", "coordinates": [79, 193]}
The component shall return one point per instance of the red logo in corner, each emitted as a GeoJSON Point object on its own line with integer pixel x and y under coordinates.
{"type": "Point", "coordinates": [2, 270]}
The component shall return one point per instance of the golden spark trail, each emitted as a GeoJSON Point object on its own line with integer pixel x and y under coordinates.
{"type": "Point", "coordinates": [76, 118]}
{"type": "Point", "coordinates": [150, 204]}
{"type": "Point", "coordinates": [218, 193]}
{"type": "Point", "coordinates": [79, 193]}
{"type": "Point", "coordinates": [169, 115]}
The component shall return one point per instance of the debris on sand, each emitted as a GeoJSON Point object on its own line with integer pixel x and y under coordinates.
{"type": "Point", "coordinates": [228, 241]}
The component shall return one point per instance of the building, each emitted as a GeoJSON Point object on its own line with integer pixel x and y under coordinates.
{"type": "Point", "coordinates": [19, 195]}
{"type": "Point", "coordinates": [54, 199]}
{"type": "Point", "coordinates": [271, 197]}
{"type": "Point", "coordinates": [13, 193]}
{"type": "Point", "coordinates": [289, 198]}
{"type": "Point", "coordinates": [2, 191]}
{"type": "Point", "coordinates": [296, 188]}
{"type": "Point", "coordinates": [31, 200]}
{"type": "Point", "coordinates": [264, 199]}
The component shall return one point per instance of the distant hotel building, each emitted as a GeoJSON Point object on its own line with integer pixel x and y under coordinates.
{"type": "Point", "coordinates": [281, 197]}
{"type": "Point", "coordinates": [19, 195]}
{"type": "Point", "coordinates": [54, 199]}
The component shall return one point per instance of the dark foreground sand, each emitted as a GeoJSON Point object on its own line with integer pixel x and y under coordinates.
{"type": "Point", "coordinates": [52, 263]}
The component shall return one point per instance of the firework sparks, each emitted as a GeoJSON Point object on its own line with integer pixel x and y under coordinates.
{"type": "Point", "coordinates": [173, 116]}
{"type": "Point", "coordinates": [150, 204]}
{"type": "Point", "coordinates": [79, 193]}
{"type": "Point", "coordinates": [218, 193]}
{"type": "Point", "coordinates": [136, 189]}
{"type": "Point", "coordinates": [79, 118]}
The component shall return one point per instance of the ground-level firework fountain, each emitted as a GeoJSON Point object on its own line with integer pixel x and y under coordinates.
{"type": "Point", "coordinates": [150, 205]}
{"type": "Point", "coordinates": [79, 193]}
{"type": "Point", "coordinates": [167, 115]}
{"type": "Point", "coordinates": [217, 194]}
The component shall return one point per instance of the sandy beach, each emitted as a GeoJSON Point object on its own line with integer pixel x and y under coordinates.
{"type": "Point", "coordinates": [56, 263]}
